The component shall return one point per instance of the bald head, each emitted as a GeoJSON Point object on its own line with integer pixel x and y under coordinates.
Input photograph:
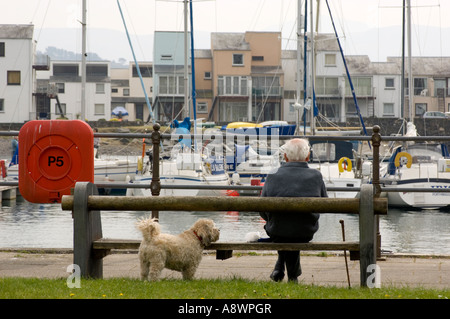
{"type": "Point", "coordinates": [297, 150]}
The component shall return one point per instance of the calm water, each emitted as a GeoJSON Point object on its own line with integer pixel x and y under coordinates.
{"type": "Point", "coordinates": [25, 224]}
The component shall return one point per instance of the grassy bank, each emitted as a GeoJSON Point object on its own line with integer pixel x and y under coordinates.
{"type": "Point", "coordinates": [124, 288]}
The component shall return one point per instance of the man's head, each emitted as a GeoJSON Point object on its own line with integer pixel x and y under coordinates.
{"type": "Point", "coordinates": [297, 150]}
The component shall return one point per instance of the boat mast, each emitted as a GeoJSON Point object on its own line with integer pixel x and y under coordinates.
{"type": "Point", "coordinates": [402, 77]}
{"type": "Point", "coordinates": [194, 103]}
{"type": "Point", "coordinates": [410, 78]}
{"type": "Point", "coordinates": [186, 62]}
{"type": "Point", "coordinates": [313, 73]}
{"type": "Point", "coordinates": [299, 57]}
{"type": "Point", "coordinates": [83, 62]}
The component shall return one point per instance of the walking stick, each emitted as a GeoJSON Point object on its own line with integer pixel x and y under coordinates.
{"type": "Point", "coordinates": [345, 252]}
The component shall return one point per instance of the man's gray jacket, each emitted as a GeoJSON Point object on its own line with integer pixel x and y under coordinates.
{"type": "Point", "coordinates": [293, 179]}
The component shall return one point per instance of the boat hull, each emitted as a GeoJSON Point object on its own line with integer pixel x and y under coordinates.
{"type": "Point", "coordinates": [420, 200]}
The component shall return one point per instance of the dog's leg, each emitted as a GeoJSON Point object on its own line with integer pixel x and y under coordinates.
{"type": "Point", "coordinates": [188, 273]}
{"type": "Point", "coordinates": [155, 270]}
{"type": "Point", "coordinates": [144, 269]}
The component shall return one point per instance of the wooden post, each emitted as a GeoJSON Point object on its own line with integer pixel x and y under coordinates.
{"type": "Point", "coordinates": [87, 227]}
{"type": "Point", "coordinates": [367, 233]}
{"type": "Point", "coordinates": [155, 185]}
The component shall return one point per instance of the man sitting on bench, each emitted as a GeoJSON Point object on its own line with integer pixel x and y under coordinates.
{"type": "Point", "coordinates": [293, 179]}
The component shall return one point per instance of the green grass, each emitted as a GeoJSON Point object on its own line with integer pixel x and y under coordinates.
{"type": "Point", "coordinates": [125, 288]}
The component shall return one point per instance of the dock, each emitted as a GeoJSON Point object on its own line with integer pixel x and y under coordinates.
{"type": "Point", "coordinates": [8, 193]}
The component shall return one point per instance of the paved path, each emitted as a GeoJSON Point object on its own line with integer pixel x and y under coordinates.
{"type": "Point", "coordinates": [396, 271]}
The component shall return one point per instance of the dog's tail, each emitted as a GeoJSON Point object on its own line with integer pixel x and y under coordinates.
{"type": "Point", "coordinates": [149, 228]}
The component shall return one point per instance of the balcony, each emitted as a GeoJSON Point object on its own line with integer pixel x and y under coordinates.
{"type": "Point", "coordinates": [274, 91]}
{"type": "Point", "coordinates": [232, 90]}
{"type": "Point", "coordinates": [42, 62]}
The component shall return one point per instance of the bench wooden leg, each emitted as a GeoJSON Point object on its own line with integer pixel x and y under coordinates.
{"type": "Point", "coordinates": [87, 227]}
{"type": "Point", "coordinates": [224, 254]}
{"type": "Point", "coordinates": [367, 234]}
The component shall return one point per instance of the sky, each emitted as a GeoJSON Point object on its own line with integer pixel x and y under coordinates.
{"type": "Point", "coordinates": [365, 27]}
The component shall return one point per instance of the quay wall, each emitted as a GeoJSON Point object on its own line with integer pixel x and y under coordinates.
{"type": "Point", "coordinates": [389, 126]}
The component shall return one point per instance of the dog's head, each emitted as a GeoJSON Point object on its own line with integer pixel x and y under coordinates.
{"type": "Point", "coordinates": [206, 231]}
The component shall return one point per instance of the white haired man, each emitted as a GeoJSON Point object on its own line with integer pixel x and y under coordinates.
{"type": "Point", "coordinates": [293, 179]}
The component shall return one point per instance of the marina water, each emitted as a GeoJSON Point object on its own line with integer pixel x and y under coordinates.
{"type": "Point", "coordinates": [28, 225]}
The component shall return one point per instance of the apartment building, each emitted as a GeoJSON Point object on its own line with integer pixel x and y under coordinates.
{"type": "Point", "coordinates": [169, 77]}
{"type": "Point", "coordinates": [247, 77]}
{"type": "Point", "coordinates": [127, 90]}
{"type": "Point", "coordinates": [16, 72]}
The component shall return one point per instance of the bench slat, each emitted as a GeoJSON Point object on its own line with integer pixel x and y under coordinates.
{"type": "Point", "coordinates": [285, 246]}
{"type": "Point", "coordinates": [106, 243]}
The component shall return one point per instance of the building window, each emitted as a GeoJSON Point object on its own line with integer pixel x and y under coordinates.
{"type": "Point", "coordinates": [362, 86]}
{"type": "Point", "coordinates": [100, 88]}
{"type": "Point", "coordinates": [350, 109]}
{"type": "Point", "coordinates": [330, 59]}
{"type": "Point", "coordinates": [266, 85]}
{"type": "Point", "coordinates": [257, 58]}
{"type": "Point", "coordinates": [2, 105]}
{"type": "Point", "coordinates": [2, 49]}
{"type": "Point", "coordinates": [146, 71]}
{"type": "Point", "coordinates": [207, 76]}
{"type": "Point", "coordinates": [13, 77]}
{"type": "Point", "coordinates": [388, 109]}
{"type": "Point", "coordinates": [63, 108]}
{"type": "Point", "coordinates": [96, 70]}
{"type": "Point", "coordinates": [389, 83]}
{"type": "Point", "coordinates": [166, 56]}
{"type": "Point", "coordinates": [126, 92]}
{"type": "Point", "coordinates": [420, 86]}
{"type": "Point", "coordinates": [171, 85]}
{"type": "Point", "coordinates": [421, 108]}
{"type": "Point", "coordinates": [238, 59]}
{"type": "Point", "coordinates": [326, 86]}
{"type": "Point", "coordinates": [114, 90]}
{"type": "Point", "coordinates": [60, 87]}
{"type": "Point", "coordinates": [99, 109]}
{"type": "Point", "coordinates": [439, 86]}
{"type": "Point", "coordinates": [232, 85]}
{"type": "Point", "coordinates": [65, 69]}
{"type": "Point", "coordinates": [202, 107]}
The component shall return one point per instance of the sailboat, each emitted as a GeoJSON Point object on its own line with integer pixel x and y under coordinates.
{"type": "Point", "coordinates": [417, 165]}
{"type": "Point", "coordinates": [187, 164]}
{"type": "Point", "coordinates": [339, 163]}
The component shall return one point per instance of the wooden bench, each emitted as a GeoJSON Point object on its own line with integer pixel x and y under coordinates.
{"type": "Point", "coordinates": [224, 250]}
{"type": "Point", "coordinates": [90, 247]}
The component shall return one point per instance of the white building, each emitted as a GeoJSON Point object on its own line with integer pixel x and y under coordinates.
{"type": "Point", "coordinates": [16, 72]}
{"type": "Point", "coordinates": [64, 80]}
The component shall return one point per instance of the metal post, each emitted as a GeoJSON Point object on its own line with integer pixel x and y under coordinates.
{"type": "Point", "coordinates": [155, 185]}
{"type": "Point", "coordinates": [367, 233]}
{"type": "Point", "coordinates": [376, 143]}
{"type": "Point", "coordinates": [83, 63]}
{"type": "Point", "coordinates": [87, 227]}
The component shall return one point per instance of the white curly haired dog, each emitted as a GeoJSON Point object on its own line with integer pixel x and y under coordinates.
{"type": "Point", "coordinates": [181, 252]}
